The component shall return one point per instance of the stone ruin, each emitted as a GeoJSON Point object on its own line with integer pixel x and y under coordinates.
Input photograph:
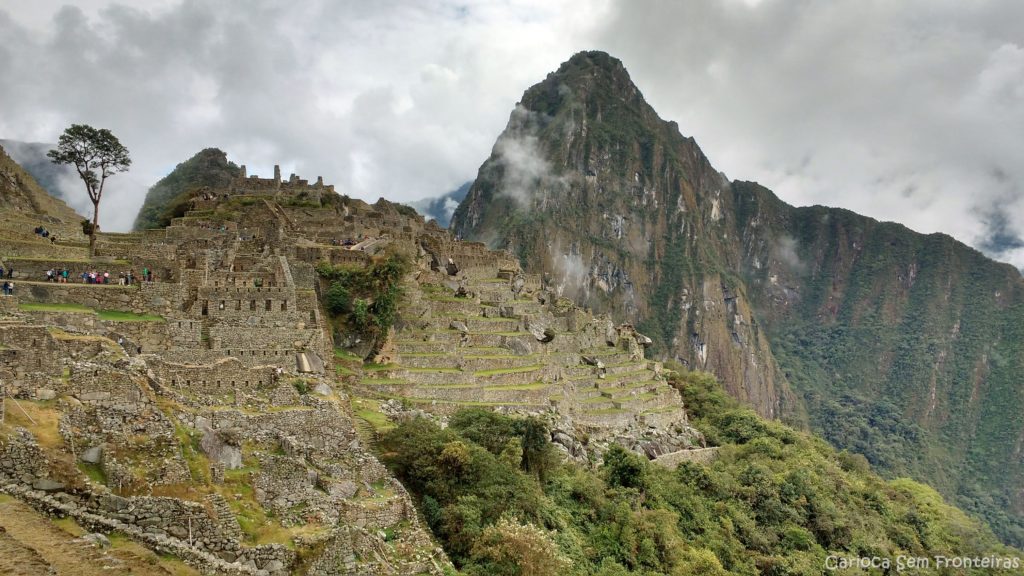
{"type": "Point", "coordinates": [191, 410]}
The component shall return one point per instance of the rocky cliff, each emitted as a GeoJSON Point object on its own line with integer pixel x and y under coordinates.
{"type": "Point", "coordinates": [904, 347]}
{"type": "Point", "coordinates": [590, 186]}
{"type": "Point", "coordinates": [20, 192]}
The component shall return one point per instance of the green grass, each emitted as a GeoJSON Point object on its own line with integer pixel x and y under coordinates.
{"type": "Point", "coordinates": [533, 386]}
{"type": "Point", "coordinates": [500, 371]}
{"type": "Point", "coordinates": [118, 316]}
{"type": "Point", "coordinates": [342, 354]}
{"type": "Point", "coordinates": [112, 315]}
{"type": "Point", "coordinates": [433, 370]}
{"type": "Point", "coordinates": [375, 419]}
{"type": "Point", "coordinates": [94, 472]}
{"type": "Point", "coordinates": [53, 307]}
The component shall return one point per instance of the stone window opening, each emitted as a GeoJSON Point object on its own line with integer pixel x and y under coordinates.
{"type": "Point", "coordinates": [238, 304]}
{"type": "Point", "coordinates": [252, 305]}
{"type": "Point", "coordinates": [269, 303]}
{"type": "Point", "coordinates": [284, 305]}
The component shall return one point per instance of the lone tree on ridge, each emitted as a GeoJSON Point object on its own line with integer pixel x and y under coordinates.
{"type": "Point", "coordinates": [96, 154]}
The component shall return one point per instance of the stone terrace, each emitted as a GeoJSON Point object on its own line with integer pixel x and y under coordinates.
{"type": "Point", "coordinates": [490, 341]}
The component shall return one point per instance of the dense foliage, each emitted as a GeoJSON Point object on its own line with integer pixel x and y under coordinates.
{"type": "Point", "coordinates": [364, 299]}
{"type": "Point", "coordinates": [900, 346]}
{"type": "Point", "coordinates": [776, 501]}
{"type": "Point", "coordinates": [169, 198]}
{"type": "Point", "coordinates": [904, 348]}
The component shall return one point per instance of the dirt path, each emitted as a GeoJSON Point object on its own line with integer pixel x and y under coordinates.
{"type": "Point", "coordinates": [31, 545]}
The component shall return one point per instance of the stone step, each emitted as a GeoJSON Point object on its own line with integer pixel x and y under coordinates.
{"type": "Point", "coordinates": [480, 324]}
{"type": "Point", "coordinates": [513, 376]}
{"type": "Point", "coordinates": [625, 367]}
{"type": "Point", "coordinates": [646, 401]}
{"type": "Point", "coordinates": [447, 307]}
{"type": "Point", "coordinates": [467, 359]}
{"type": "Point", "coordinates": [534, 394]}
{"type": "Point", "coordinates": [604, 418]}
{"type": "Point", "coordinates": [430, 376]}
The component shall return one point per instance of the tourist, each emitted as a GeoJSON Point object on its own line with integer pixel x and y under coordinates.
{"type": "Point", "coordinates": [49, 275]}
{"type": "Point", "coordinates": [10, 288]}
{"type": "Point", "coordinates": [7, 288]}
{"type": "Point", "coordinates": [1, 271]}
{"type": "Point", "coordinates": [64, 273]}
{"type": "Point", "coordinates": [145, 274]}
{"type": "Point", "coordinates": [106, 277]}
{"type": "Point", "coordinates": [10, 272]}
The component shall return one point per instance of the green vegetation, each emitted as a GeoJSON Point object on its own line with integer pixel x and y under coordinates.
{"type": "Point", "coordinates": [96, 155]}
{"type": "Point", "coordinates": [112, 315]}
{"type": "Point", "coordinates": [775, 501]}
{"type": "Point", "coordinates": [54, 307]}
{"type": "Point", "coordinates": [365, 299]}
{"type": "Point", "coordinates": [912, 359]}
{"type": "Point", "coordinates": [169, 198]}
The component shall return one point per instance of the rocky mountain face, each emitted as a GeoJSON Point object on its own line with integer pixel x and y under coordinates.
{"type": "Point", "coordinates": [53, 178]}
{"type": "Point", "coordinates": [169, 197]}
{"type": "Point", "coordinates": [20, 192]}
{"type": "Point", "coordinates": [907, 348]}
{"type": "Point", "coordinates": [897, 345]}
{"type": "Point", "coordinates": [590, 186]}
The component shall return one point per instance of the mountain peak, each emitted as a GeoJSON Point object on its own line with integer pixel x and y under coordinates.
{"type": "Point", "coordinates": [589, 77]}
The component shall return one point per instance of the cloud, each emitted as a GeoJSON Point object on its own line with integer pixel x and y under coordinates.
{"type": "Point", "coordinates": [784, 249]}
{"type": "Point", "coordinates": [395, 99]}
{"type": "Point", "coordinates": [902, 111]}
{"type": "Point", "coordinates": [907, 111]}
{"type": "Point", "coordinates": [527, 176]}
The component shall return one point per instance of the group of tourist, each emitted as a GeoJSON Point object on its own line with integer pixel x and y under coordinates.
{"type": "Point", "coordinates": [8, 288]}
{"type": "Point", "coordinates": [54, 275]}
{"type": "Point", "coordinates": [93, 277]}
{"type": "Point", "coordinates": [10, 272]}
{"type": "Point", "coordinates": [128, 278]}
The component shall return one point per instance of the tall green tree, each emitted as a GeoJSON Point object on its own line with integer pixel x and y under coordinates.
{"type": "Point", "coordinates": [97, 155]}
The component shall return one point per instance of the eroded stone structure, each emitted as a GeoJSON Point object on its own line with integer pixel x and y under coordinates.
{"type": "Point", "coordinates": [196, 408]}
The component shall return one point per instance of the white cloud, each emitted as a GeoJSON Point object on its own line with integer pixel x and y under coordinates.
{"type": "Point", "coordinates": [908, 111]}
{"type": "Point", "coordinates": [905, 111]}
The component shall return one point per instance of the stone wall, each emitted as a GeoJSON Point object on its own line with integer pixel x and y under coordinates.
{"type": "Point", "coordinates": [205, 535]}
{"type": "Point", "coordinates": [698, 455]}
{"type": "Point", "coordinates": [225, 376]}
{"type": "Point", "coordinates": [29, 354]}
{"type": "Point", "coordinates": [136, 299]}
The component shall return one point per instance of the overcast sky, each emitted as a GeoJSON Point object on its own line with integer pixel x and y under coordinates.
{"type": "Point", "coordinates": [910, 111]}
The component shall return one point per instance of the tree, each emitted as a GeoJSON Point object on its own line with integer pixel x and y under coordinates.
{"type": "Point", "coordinates": [97, 155]}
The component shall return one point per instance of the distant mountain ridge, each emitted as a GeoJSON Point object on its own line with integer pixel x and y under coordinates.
{"type": "Point", "coordinates": [901, 346]}
{"type": "Point", "coordinates": [19, 191]}
{"type": "Point", "coordinates": [31, 156]}
{"type": "Point", "coordinates": [441, 208]}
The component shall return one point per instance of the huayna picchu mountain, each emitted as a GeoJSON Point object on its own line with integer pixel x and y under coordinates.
{"type": "Point", "coordinates": [169, 197]}
{"type": "Point", "coordinates": [907, 348]}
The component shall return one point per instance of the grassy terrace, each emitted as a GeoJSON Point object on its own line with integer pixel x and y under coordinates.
{"type": "Point", "coordinates": [110, 315]}
{"type": "Point", "coordinates": [500, 371]}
